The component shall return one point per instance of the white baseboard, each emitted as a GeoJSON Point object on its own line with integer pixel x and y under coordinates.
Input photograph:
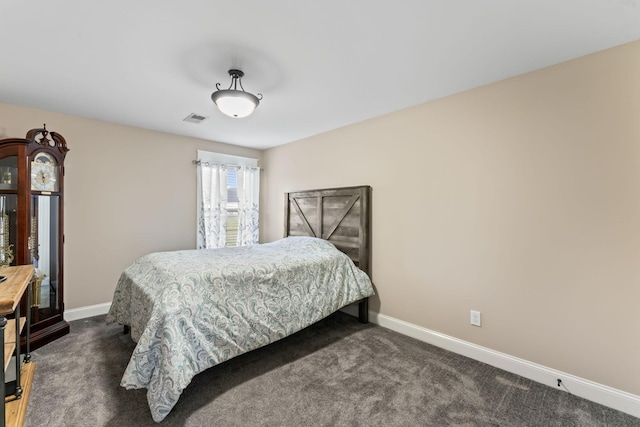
{"type": "Point", "coordinates": [88, 311]}
{"type": "Point", "coordinates": [604, 395]}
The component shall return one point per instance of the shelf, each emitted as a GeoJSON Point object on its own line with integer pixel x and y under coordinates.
{"type": "Point", "coordinates": [16, 410]}
{"type": "Point", "coordinates": [10, 339]}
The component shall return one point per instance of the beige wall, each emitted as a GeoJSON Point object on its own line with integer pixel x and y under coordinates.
{"type": "Point", "coordinates": [519, 199]}
{"type": "Point", "coordinates": [128, 192]}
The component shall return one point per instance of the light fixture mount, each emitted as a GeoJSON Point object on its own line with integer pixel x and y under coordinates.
{"type": "Point", "coordinates": [235, 102]}
{"type": "Point", "coordinates": [236, 73]}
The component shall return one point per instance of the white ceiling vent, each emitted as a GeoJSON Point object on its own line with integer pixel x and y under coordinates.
{"type": "Point", "coordinates": [195, 118]}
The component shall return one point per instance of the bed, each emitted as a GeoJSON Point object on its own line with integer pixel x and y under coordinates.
{"type": "Point", "coordinates": [191, 310]}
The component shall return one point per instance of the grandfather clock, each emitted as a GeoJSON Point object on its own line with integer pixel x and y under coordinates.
{"type": "Point", "coordinates": [31, 224]}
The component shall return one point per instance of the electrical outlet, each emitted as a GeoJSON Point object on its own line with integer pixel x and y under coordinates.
{"type": "Point", "coordinates": [476, 319]}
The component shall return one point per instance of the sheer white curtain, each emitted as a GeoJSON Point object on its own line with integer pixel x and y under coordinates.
{"type": "Point", "coordinates": [248, 179]}
{"type": "Point", "coordinates": [212, 209]}
{"type": "Point", "coordinates": [215, 207]}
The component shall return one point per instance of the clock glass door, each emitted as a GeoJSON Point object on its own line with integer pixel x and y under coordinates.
{"type": "Point", "coordinates": [44, 252]}
{"type": "Point", "coordinates": [8, 229]}
{"type": "Point", "coordinates": [9, 173]}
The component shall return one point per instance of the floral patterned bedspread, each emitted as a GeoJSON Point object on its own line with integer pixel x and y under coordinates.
{"type": "Point", "coordinates": [190, 310]}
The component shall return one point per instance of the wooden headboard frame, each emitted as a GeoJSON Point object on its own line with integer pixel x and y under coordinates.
{"type": "Point", "coordinates": [339, 215]}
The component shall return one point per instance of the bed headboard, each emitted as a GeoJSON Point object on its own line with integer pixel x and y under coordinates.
{"type": "Point", "coordinates": [339, 215]}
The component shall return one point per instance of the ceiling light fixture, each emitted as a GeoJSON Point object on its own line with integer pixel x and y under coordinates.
{"type": "Point", "coordinates": [235, 102]}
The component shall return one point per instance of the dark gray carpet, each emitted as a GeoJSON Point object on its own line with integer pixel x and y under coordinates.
{"type": "Point", "coordinates": [337, 372]}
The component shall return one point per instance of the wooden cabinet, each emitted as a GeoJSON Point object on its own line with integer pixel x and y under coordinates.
{"type": "Point", "coordinates": [31, 225]}
{"type": "Point", "coordinates": [12, 289]}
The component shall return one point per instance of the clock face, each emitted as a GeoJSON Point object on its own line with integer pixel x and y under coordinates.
{"type": "Point", "coordinates": [44, 173]}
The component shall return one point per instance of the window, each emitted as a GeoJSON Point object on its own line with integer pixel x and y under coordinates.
{"type": "Point", "coordinates": [228, 200]}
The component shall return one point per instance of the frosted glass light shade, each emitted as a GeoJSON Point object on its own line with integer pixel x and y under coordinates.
{"type": "Point", "coordinates": [235, 103]}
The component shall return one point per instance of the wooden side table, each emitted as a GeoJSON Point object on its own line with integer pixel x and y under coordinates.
{"type": "Point", "coordinates": [11, 291]}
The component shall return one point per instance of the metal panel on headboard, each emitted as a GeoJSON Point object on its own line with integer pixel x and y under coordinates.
{"type": "Point", "coordinates": [339, 215]}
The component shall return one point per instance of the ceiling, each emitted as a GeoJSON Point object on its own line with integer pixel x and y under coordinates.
{"type": "Point", "coordinates": [320, 65]}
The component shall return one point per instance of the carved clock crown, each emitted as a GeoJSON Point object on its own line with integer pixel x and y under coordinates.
{"type": "Point", "coordinates": [47, 139]}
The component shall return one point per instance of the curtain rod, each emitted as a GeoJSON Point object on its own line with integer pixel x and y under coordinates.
{"type": "Point", "coordinates": [200, 162]}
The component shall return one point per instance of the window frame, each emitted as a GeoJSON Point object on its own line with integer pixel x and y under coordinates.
{"type": "Point", "coordinates": [212, 158]}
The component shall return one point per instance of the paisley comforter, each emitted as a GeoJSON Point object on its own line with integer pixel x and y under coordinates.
{"type": "Point", "coordinates": [190, 310]}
